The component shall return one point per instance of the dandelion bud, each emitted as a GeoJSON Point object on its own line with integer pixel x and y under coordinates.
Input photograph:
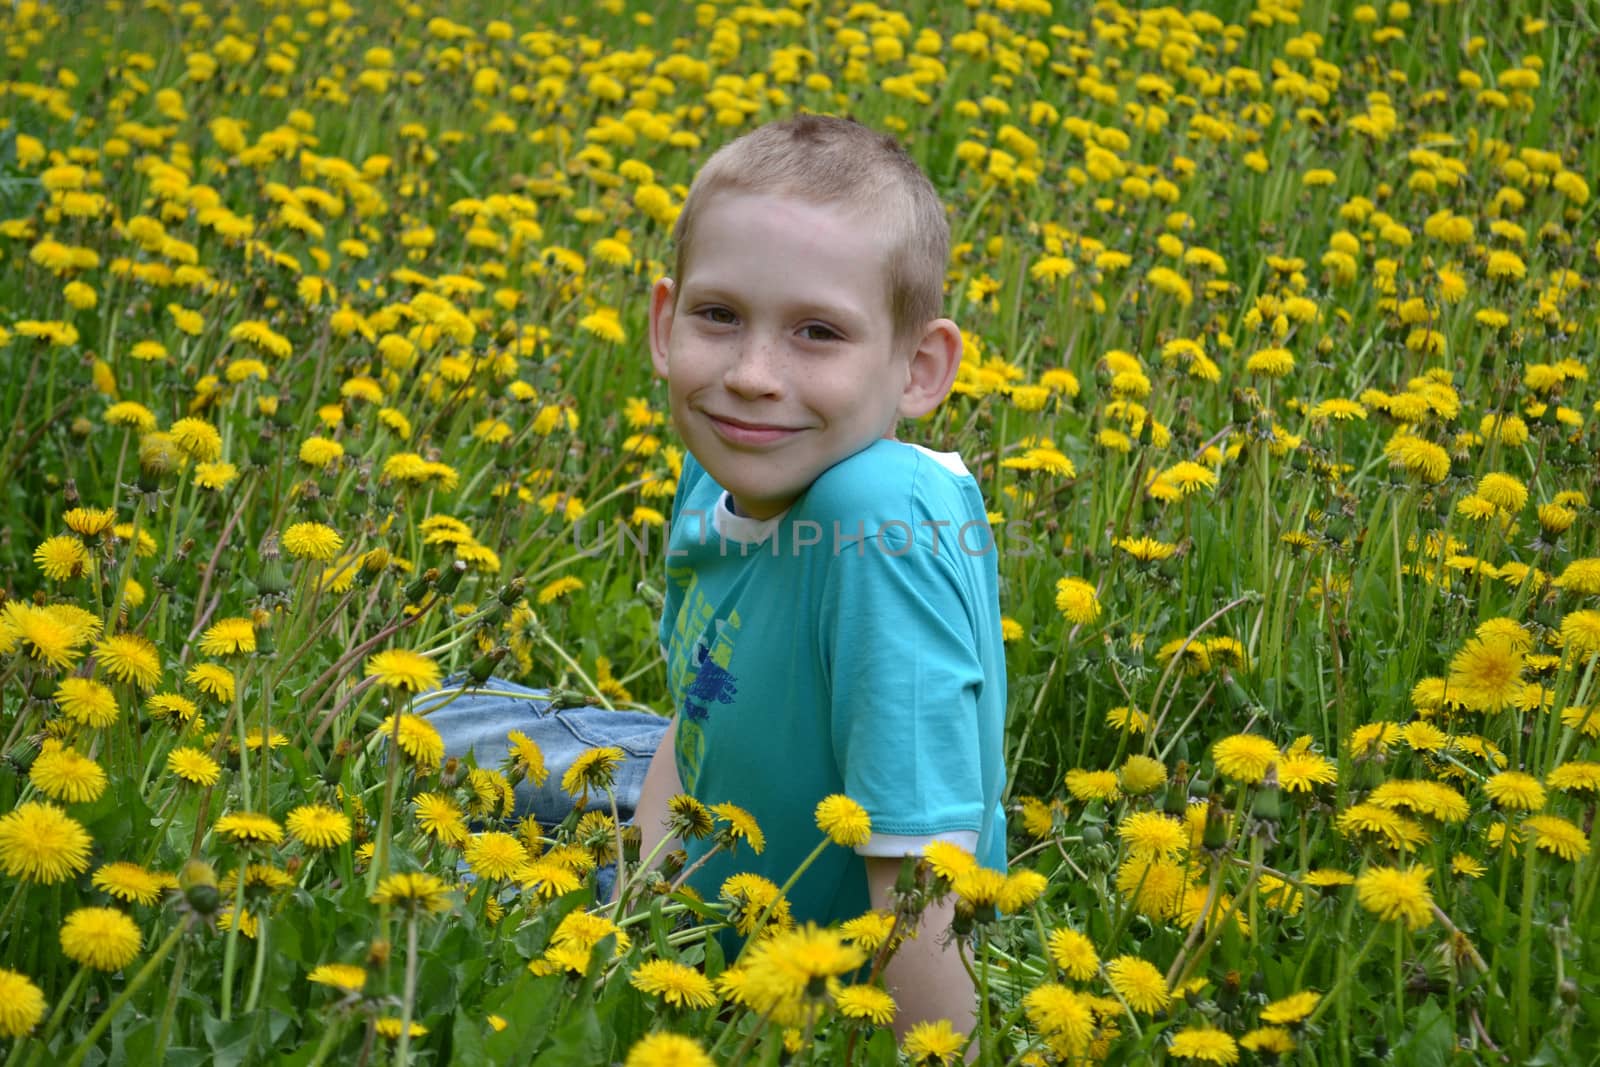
{"type": "Point", "coordinates": [270, 580]}
{"type": "Point", "coordinates": [69, 494]}
{"type": "Point", "coordinates": [198, 882]}
{"type": "Point", "coordinates": [452, 577]}
{"type": "Point", "coordinates": [1269, 802]}
{"type": "Point", "coordinates": [378, 953]}
{"type": "Point", "coordinates": [484, 665]}
{"type": "Point", "coordinates": [1568, 991]}
{"type": "Point", "coordinates": [964, 920]}
{"type": "Point", "coordinates": [1215, 837]}
{"type": "Point", "coordinates": [263, 451]}
{"type": "Point", "coordinates": [21, 757]}
{"type": "Point", "coordinates": [1093, 835]}
{"type": "Point", "coordinates": [1176, 802]}
{"type": "Point", "coordinates": [1234, 694]}
{"type": "Point", "coordinates": [266, 644]}
{"type": "Point", "coordinates": [419, 587]}
{"type": "Point", "coordinates": [674, 862]}
{"type": "Point", "coordinates": [1241, 408]}
{"type": "Point", "coordinates": [905, 883]}
{"type": "Point", "coordinates": [1228, 992]}
{"type": "Point", "coordinates": [44, 686]}
{"type": "Point", "coordinates": [511, 592]}
{"type": "Point", "coordinates": [333, 773]}
{"type": "Point", "coordinates": [450, 774]}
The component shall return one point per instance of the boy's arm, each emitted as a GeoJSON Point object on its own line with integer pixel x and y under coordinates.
{"type": "Point", "coordinates": [661, 784]}
{"type": "Point", "coordinates": [925, 976]}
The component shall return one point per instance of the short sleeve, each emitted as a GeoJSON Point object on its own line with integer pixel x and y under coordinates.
{"type": "Point", "coordinates": [905, 676]}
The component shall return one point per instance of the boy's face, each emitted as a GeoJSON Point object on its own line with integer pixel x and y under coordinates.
{"type": "Point", "coordinates": [778, 345]}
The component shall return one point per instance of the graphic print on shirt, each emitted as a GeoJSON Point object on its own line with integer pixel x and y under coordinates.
{"type": "Point", "coordinates": [703, 647]}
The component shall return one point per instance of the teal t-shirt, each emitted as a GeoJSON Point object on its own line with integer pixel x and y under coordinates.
{"type": "Point", "coordinates": [850, 645]}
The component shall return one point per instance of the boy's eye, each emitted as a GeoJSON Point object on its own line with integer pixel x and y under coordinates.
{"type": "Point", "coordinates": [720, 316]}
{"type": "Point", "coordinates": [818, 332]}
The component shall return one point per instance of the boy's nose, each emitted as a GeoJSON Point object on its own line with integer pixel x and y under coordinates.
{"type": "Point", "coordinates": [755, 372]}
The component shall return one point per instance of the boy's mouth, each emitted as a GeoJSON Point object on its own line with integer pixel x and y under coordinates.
{"type": "Point", "coordinates": [740, 432]}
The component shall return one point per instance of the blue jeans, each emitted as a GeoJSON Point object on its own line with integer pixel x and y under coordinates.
{"type": "Point", "coordinates": [478, 720]}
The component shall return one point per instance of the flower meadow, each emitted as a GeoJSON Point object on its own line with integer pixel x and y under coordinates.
{"type": "Point", "coordinates": [324, 381]}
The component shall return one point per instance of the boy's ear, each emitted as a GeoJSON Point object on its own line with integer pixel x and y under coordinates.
{"type": "Point", "coordinates": [663, 305]}
{"type": "Point", "coordinates": [932, 370]}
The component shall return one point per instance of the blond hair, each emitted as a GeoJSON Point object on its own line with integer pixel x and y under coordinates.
{"type": "Point", "coordinates": [826, 161]}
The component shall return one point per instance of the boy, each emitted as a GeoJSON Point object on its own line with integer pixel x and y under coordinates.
{"type": "Point", "coordinates": [832, 621]}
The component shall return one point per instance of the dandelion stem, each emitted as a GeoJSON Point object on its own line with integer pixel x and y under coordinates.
{"type": "Point", "coordinates": [1522, 993]}
{"type": "Point", "coordinates": [231, 947]}
{"type": "Point", "coordinates": [409, 1003]}
{"type": "Point", "coordinates": [260, 966]}
{"type": "Point", "coordinates": [330, 1037]}
{"type": "Point", "coordinates": [170, 1008]}
{"type": "Point", "coordinates": [134, 985]}
{"type": "Point", "coordinates": [1213, 887]}
{"type": "Point", "coordinates": [685, 874]}
{"type": "Point", "coordinates": [380, 852]}
{"type": "Point", "coordinates": [54, 1024]}
{"type": "Point", "coordinates": [1347, 969]}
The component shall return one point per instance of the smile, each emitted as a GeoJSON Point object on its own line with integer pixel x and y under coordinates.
{"type": "Point", "coordinates": [737, 432]}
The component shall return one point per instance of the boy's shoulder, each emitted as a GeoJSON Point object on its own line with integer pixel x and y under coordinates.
{"type": "Point", "coordinates": [890, 480]}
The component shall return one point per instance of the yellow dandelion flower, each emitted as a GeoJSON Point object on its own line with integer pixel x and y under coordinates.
{"type": "Point", "coordinates": [64, 774]}
{"type": "Point", "coordinates": [403, 669]}
{"type": "Point", "coordinates": [131, 883]}
{"type": "Point", "coordinates": [318, 826]}
{"type": "Point", "coordinates": [675, 983]}
{"type": "Point", "coordinates": [1397, 895]}
{"type": "Point", "coordinates": [102, 938]}
{"type": "Point", "coordinates": [844, 821]}
{"type": "Point", "coordinates": [1557, 836]}
{"type": "Point", "coordinates": [415, 891]}
{"type": "Point", "coordinates": [21, 1004]}
{"type": "Point", "coordinates": [1139, 983]}
{"type": "Point", "coordinates": [345, 976]}
{"type": "Point", "coordinates": [86, 702]}
{"type": "Point", "coordinates": [130, 659]}
{"type": "Point", "coordinates": [62, 558]}
{"type": "Point", "coordinates": [666, 1049]}
{"type": "Point", "coordinates": [312, 540]}
{"type": "Point", "coordinates": [229, 636]}
{"type": "Point", "coordinates": [1245, 757]}
{"type": "Point", "coordinates": [1074, 953]}
{"type": "Point", "coordinates": [41, 843]}
{"type": "Point", "coordinates": [1076, 599]}
{"type": "Point", "coordinates": [1291, 1009]}
{"type": "Point", "coordinates": [1204, 1044]}
{"type": "Point", "coordinates": [495, 855]}
{"type": "Point", "coordinates": [934, 1042]}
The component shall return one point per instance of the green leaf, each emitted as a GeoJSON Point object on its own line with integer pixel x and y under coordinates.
{"type": "Point", "coordinates": [1431, 1040]}
{"type": "Point", "coordinates": [231, 1042]}
{"type": "Point", "coordinates": [579, 1042]}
